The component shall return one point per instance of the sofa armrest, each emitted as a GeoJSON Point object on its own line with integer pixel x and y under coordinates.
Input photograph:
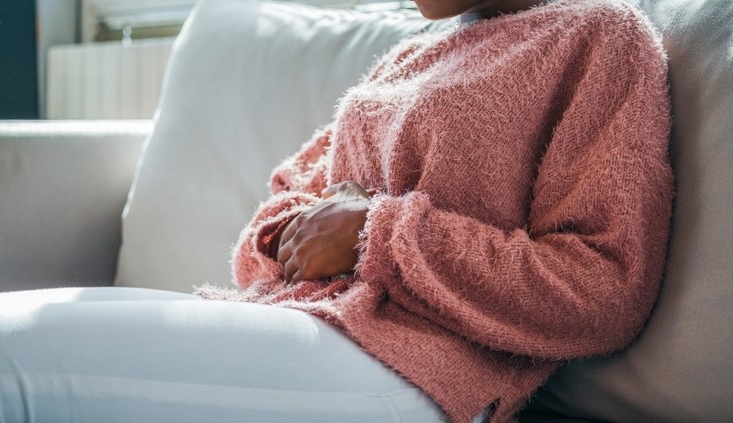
{"type": "Point", "coordinates": [63, 185]}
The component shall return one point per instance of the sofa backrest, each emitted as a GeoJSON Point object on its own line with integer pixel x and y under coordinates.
{"type": "Point", "coordinates": [680, 369]}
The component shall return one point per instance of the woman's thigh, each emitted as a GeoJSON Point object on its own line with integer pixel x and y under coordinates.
{"type": "Point", "coordinates": [114, 355]}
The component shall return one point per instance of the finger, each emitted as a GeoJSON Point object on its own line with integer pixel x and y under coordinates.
{"type": "Point", "coordinates": [334, 189]}
{"type": "Point", "coordinates": [302, 273]}
{"type": "Point", "coordinates": [328, 192]}
{"type": "Point", "coordinates": [354, 188]}
{"type": "Point", "coordinates": [284, 253]}
{"type": "Point", "coordinates": [371, 191]}
{"type": "Point", "coordinates": [297, 276]}
{"type": "Point", "coordinates": [318, 267]}
{"type": "Point", "coordinates": [301, 270]}
{"type": "Point", "coordinates": [289, 269]}
{"type": "Point", "coordinates": [345, 189]}
{"type": "Point", "coordinates": [287, 234]}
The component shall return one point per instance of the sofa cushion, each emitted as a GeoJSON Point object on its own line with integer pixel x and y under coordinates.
{"type": "Point", "coordinates": [247, 83]}
{"type": "Point", "coordinates": [680, 369]}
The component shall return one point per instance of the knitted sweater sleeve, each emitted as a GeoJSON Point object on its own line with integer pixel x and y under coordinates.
{"type": "Point", "coordinates": [582, 276]}
{"type": "Point", "coordinates": [295, 186]}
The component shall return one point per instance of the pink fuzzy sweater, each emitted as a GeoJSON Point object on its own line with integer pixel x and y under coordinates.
{"type": "Point", "coordinates": [524, 197]}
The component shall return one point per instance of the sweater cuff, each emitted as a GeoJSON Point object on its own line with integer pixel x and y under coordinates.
{"type": "Point", "coordinates": [391, 221]}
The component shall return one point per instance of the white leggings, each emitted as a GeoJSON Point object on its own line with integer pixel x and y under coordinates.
{"type": "Point", "coordinates": [135, 355]}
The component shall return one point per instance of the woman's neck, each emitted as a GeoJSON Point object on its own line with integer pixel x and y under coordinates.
{"type": "Point", "coordinates": [492, 8]}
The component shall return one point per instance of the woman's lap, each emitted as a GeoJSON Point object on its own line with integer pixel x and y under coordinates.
{"type": "Point", "coordinates": [114, 354]}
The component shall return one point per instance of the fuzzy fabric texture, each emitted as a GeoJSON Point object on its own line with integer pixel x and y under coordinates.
{"type": "Point", "coordinates": [524, 198]}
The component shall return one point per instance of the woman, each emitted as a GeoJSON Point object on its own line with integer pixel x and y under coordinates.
{"type": "Point", "coordinates": [488, 202]}
{"type": "Point", "coordinates": [521, 201]}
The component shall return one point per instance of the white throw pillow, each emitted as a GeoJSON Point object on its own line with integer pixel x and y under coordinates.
{"type": "Point", "coordinates": [247, 83]}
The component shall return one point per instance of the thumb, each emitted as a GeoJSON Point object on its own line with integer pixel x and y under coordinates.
{"type": "Point", "coordinates": [329, 191]}
{"type": "Point", "coordinates": [347, 188]}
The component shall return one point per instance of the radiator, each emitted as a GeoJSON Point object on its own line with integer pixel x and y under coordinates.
{"type": "Point", "coordinates": [105, 80]}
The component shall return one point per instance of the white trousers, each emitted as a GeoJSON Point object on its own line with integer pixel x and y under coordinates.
{"type": "Point", "coordinates": [135, 355]}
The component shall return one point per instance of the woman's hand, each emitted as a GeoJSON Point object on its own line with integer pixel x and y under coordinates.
{"type": "Point", "coordinates": [321, 242]}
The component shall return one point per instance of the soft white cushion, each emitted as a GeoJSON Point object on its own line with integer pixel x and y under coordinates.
{"type": "Point", "coordinates": [247, 83]}
{"type": "Point", "coordinates": [680, 370]}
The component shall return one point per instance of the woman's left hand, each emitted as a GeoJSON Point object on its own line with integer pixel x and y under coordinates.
{"type": "Point", "coordinates": [322, 242]}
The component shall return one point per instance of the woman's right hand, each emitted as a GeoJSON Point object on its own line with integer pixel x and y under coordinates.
{"type": "Point", "coordinates": [322, 241]}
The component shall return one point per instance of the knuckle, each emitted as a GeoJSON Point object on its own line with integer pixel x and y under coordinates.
{"type": "Point", "coordinates": [297, 221]}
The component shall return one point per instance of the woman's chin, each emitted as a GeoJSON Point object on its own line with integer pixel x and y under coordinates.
{"type": "Point", "coordinates": [430, 13]}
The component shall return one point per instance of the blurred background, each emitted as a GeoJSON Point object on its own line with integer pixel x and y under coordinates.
{"type": "Point", "coordinates": [96, 59]}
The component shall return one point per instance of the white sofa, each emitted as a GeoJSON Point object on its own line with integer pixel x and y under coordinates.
{"type": "Point", "coordinates": [248, 81]}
